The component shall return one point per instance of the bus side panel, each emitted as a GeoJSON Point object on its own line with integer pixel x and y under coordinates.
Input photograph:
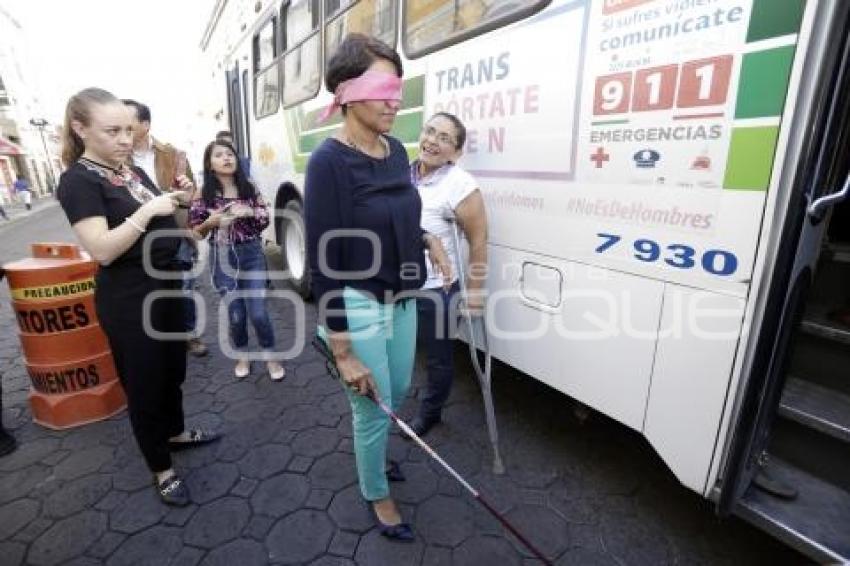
{"type": "Point", "coordinates": [271, 162]}
{"type": "Point", "coordinates": [579, 347]}
{"type": "Point", "coordinates": [697, 339]}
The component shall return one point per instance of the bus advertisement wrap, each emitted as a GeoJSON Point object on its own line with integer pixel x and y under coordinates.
{"type": "Point", "coordinates": [660, 121]}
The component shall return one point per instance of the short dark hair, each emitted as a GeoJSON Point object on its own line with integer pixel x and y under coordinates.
{"type": "Point", "coordinates": [142, 110]}
{"type": "Point", "coordinates": [354, 55]}
{"type": "Point", "coordinates": [460, 129]}
{"type": "Point", "coordinates": [224, 134]}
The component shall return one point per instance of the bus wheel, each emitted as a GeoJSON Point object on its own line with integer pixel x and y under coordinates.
{"type": "Point", "coordinates": [293, 247]}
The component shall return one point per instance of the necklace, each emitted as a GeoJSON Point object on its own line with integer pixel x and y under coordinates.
{"type": "Point", "coordinates": [385, 147]}
{"type": "Point", "coordinates": [122, 176]}
{"type": "Point", "coordinates": [100, 165]}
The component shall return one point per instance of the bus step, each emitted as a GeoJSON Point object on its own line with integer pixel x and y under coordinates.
{"type": "Point", "coordinates": [825, 328]}
{"type": "Point", "coordinates": [815, 523]}
{"type": "Point", "coordinates": [818, 407]}
{"type": "Point", "coordinates": [821, 361]}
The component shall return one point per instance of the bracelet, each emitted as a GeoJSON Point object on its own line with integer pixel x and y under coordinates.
{"type": "Point", "coordinates": [135, 225]}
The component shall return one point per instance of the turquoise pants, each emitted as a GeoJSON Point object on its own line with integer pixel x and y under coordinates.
{"type": "Point", "coordinates": [383, 337]}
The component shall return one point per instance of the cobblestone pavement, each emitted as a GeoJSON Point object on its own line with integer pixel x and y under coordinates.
{"type": "Point", "coordinates": [281, 488]}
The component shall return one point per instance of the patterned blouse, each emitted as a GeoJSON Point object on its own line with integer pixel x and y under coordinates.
{"type": "Point", "coordinates": [240, 230]}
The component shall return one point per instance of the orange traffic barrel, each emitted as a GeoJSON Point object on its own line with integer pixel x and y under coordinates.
{"type": "Point", "coordinates": [66, 353]}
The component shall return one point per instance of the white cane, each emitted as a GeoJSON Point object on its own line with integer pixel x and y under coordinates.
{"type": "Point", "coordinates": [483, 374]}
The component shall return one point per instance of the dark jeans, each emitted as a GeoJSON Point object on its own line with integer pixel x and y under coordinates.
{"type": "Point", "coordinates": [247, 272]}
{"type": "Point", "coordinates": [435, 321]}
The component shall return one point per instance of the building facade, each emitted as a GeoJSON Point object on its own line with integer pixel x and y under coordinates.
{"type": "Point", "coordinates": [29, 145]}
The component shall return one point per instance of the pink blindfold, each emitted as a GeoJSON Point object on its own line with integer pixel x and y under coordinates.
{"type": "Point", "coordinates": [371, 85]}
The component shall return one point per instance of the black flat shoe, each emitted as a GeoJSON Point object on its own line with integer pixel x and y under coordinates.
{"type": "Point", "coordinates": [173, 491]}
{"type": "Point", "coordinates": [394, 472]}
{"type": "Point", "coordinates": [197, 437]}
{"type": "Point", "coordinates": [400, 532]}
{"type": "Point", "coordinates": [8, 444]}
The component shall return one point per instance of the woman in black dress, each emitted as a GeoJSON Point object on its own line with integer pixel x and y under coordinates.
{"type": "Point", "coordinates": [115, 211]}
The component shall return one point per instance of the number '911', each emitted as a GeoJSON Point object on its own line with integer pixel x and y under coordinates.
{"type": "Point", "coordinates": [681, 256]}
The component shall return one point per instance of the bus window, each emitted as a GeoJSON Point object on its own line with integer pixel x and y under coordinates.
{"type": "Point", "coordinates": [430, 25]}
{"type": "Point", "coordinates": [333, 7]}
{"type": "Point", "coordinates": [371, 17]}
{"type": "Point", "coordinates": [266, 75]}
{"type": "Point", "coordinates": [302, 69]}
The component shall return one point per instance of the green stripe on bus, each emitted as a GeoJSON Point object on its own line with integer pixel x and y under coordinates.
{"type": "Point", "coordinates": [764, 82]}
{"type": "Point", "coordinates": [750, 160]}
{"type": "Point", "coordinates": [413, 96]}
{"type": "Point", "coordinates": [407, 127]}
{"type": "Point", "coordinates": [309, 142]}
{"type": "Point", "coordinates": [310, 120]}
{"type": "Point", "coordinates": [774, 18]}
{"type": "Point", "coordinates": [300, 163]}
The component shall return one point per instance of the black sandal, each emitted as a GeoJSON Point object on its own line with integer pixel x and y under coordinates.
{"type": "Point", "coordinates": [197, 437]}
{"type": "Point", "coordinates": [173, 491]}
{"type": "Point", "coordinates": [394, 472]}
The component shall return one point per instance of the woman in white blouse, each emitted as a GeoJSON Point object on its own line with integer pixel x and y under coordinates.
{"type": "Point", "coordinates": [449, 194]}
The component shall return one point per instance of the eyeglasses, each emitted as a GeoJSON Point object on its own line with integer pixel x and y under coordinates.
{"type": "Point", "coordinates": [441, 137]}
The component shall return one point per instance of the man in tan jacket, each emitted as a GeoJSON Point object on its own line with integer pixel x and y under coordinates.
{"type": "Point", "coordinates": [163, 163]}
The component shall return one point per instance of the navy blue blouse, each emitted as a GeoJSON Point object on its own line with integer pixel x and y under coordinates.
{"type": "Point", "coordinates": [347, 189]}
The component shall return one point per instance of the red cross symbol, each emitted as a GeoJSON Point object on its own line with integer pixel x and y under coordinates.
{"type": "Point", "coordinates": [599, 157]}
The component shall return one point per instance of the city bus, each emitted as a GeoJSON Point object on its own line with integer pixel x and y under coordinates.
{"type": "Point", "coordinates": [664, 182]}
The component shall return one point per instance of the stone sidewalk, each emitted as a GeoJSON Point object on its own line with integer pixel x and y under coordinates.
{"type": "Point", "coordinates": [280, 488]}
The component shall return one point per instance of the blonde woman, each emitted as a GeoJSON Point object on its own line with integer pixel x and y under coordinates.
{"type": "Point", "coordinates": [114, 209]}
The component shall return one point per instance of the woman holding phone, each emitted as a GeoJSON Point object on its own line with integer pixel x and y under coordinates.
{"type": "Point", "coordinates": [232, 210]}
{"type": "Point", "coordinates": [119, 215]}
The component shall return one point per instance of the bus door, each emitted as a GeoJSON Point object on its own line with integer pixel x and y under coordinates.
{"type": "Point", "coordinates": [237, 109]}
{"type": "Point", "coordinates": [801, 497]}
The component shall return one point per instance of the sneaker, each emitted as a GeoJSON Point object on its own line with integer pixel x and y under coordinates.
{"type": "Point", "coordinates": [196, 347]}
{"type": "Point", "coordinates": [8, 444]}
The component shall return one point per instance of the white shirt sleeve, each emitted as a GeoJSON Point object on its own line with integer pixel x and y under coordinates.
{"type": "Point", "coordinates": [462, 185]}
